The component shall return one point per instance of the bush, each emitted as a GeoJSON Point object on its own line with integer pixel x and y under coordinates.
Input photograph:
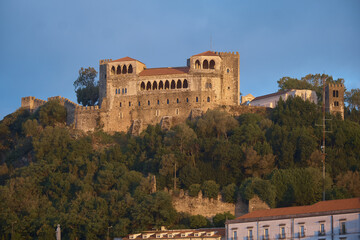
{"type": "Point", "coordinates": [198, 221]}
{"type": "Point", "coordinates": [194, 190]}
{"type": "Point", "coordinates": [210, 189]}
{"type": "Point", "coordinates": [220, 218]}
{"type": "Point", "coordinates": [51, 113]}
{"type": "Point", "coordinates": [229, 193]}
{"type": "Point", "coordinates": [262, 188]}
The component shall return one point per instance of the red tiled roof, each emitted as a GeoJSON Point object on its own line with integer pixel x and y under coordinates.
{"type": "Point", "coordinates": [164, 71]}
{"type": "Point", "coordinates": [323, 206]}
{"type": "Point", "coordinates": [271, 95]}
{"type": "Point", "coordinates": [124, 59]}
{"type": "Point", "coordinates": [207, 53]}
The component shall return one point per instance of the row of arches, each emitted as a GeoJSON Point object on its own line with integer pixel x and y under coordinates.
{"type": "Point", "coordinates": [205, 64]}
{"type": "Point", "coordinates": [164, 85]}
{"type": "Point", "coordinates": [121, 70]}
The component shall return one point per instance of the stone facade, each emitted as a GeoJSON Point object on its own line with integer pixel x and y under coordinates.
{"type": "Point", "coordinates": [132, 96]}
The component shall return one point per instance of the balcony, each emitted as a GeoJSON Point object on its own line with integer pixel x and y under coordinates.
{"type": "Point", "coordinates": [321, 233]}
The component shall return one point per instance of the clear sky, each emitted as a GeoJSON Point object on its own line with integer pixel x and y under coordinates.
{"type": "Point", "coordinates": [43, 43]}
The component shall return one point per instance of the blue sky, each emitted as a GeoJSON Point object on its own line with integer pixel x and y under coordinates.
{"type": "Point", "coordinates": [43, 44]}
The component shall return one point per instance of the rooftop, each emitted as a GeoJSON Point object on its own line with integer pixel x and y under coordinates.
{"type": "Point", "coordinates": [207, 53]}
{"type": "Point", "coordinates": [272, 95]}
{"type": "Point", "coordinates": [164, 71]}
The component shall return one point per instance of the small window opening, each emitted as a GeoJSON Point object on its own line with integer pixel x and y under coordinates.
{"type": "Point", "coordinates": [124, 70]}
{"type": "Point", "coordinates": [148, 102]}
{"type": "Point", "coordinates": [208, 99]}
{"type": "Point", "coordinates": [172, 84]}
{"type": "Point", "coordinates": [118, 70]}
{"type": "Point", "coordinates": [120, 104]}
{"type": "Point", "coordinates": [158, 102]}
{"type": "Point", "coordinates": [167, 101]}
{"type": "Point", "coordinates": [187, 99]}
{"type": "Point", "coordinates": [205, 64]}
{"type": "Point", "coordinates": [130, 70]}
{"type": "Point", "coordinates": [139, 103]}
{"type": "Point", "coordinates": [112, 70]}
{"type": "Point", "coordinates": [197, 99]}
{"type": "Point", "coordinates": [212, 64]}
{"type": "Point", "coordinates": [177, 100]}
{"type": "Point", "coordinates": [185, 84]}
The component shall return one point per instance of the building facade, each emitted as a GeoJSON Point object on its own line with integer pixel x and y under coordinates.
{"type": "Point", "coordinates": [334, 99]}
{"type": "Point", "coordinates": [133, 96]}
{"type": "Point", "coordinates": [271, 100]}
{"type": "Point", "coordinates": [326, 220]}
{"type": "Point", "coordinates": [180, 234]}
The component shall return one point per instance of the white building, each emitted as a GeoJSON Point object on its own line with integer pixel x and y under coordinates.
{"type": "Point", "coordinates": [272, 99]}
{"type": "Point", "coordinates": [326, 220]}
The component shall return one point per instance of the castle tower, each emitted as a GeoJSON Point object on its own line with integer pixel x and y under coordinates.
{"type": "Point", "coordinates": [334, 99]}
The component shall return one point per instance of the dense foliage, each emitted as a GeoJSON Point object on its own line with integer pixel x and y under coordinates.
{"type": "Point", "coordinates": [86, 87]}
{"type": "Point", "coordinates": [51, 174]}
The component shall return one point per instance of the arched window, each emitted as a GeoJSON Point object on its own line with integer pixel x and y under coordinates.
{"type": "Point", "coordinates": [212, 64]}
{"type": "Point", "coordinates": [118, 70]}
{"type": "Point", "coordinates": [124, 70]}
{"type": "Point", "coordinates": [142, 86]}
{"type": "Point", "coordinates": [112, 70]}
{"type": "Point", "coordinates": [130, 70]}
{"type": "Point", "coordinates": [178, 84]}
{"type": "Point", "coordinates": [185, 84]}
{"type": "Point", "coordinates": [208, 99]}
{"type": "Point", "coordinates": [167, 84]}
{"type": "Point", "coordinates": [197, 64]}
{"type": "Point", "coordinates": [148, 86]}
{"type": "Point", "coordinates": [205, 64]}
{"type": "Point", "coordinates": [154, 85]}
{"type": "Point", "coordinates": [161, 85]}
{"type": "Point", "coordinates": [172, 84]}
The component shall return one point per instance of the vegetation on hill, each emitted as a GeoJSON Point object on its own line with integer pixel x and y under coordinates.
{"type": "Point", "coordinates": [51, 174]}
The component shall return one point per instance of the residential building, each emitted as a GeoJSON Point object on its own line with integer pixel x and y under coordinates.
{"type": "Point", "coordinates": [326, 220]}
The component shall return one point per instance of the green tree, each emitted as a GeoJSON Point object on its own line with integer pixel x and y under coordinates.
{"type": "Point", "coordinates": [229, 193]}
{"type": "Point", "coordinates": [194, 190]}
{"type": "Point", "coordinates": [86, 87]}
{"type": "Point", "coordinates": [51, 113]}
{"type": "Point", "coordinates": [220, 219]}
{"type": "Point", "coordinates": [352, 97]}
{"type": "Point", "coordinates": [198, 221]}
{"type": "Point", "coordinates": [262, 188]}
{"type": "Point", "coordinates": [210, 189]}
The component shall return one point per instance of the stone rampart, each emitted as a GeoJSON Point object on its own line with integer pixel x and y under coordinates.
{"type": "Point", "coordinates": [31, 103]}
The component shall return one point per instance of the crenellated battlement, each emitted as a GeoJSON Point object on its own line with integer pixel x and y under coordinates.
{"type": "Point", "coordinates": [334, 85]}
{"type": "Point", "coordinates": [104, 61]}
{"type": "Point", "coordinates": [86, 108]}
{"type": "Point", "coordinates": [31, 103]}
{"type": "Point", "coordinates": [227, 53]}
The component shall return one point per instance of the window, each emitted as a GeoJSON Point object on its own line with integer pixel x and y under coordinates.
{"type": "Point", "coordinates": [139, 103]}
{"type": "Point", "coordinates": [148, 86]}
{"type": "Point", "coordinates": [302, 231]}
{"type": "Point", "coordinates": [167, 84]}
{"type": "Point", "coordinates": [121, 115]}
{"type": "Point", "coordinates": [185, 84]}
{"type": "Point", "coordinates": [122, 91]}
{"type": "Point", "coordinates": [130, 69]}
{"type": "Point", "coordinates": [129, 104]}
{"type": "Point", "coordinates": [115, 91]}
{"type": "Point", "coordinates": [342, 227]}
{"type": "Point", "coordinates": [235, 235]}
{"type": "Point", "coordinates": [177, 100]}
{"type": "Point", "coordinates": [177, 111]}
{"type": "Point", "coordinates": [197, 99]}
{"type": "Point", "coordinates": [142, 86]}
{"type": "Point", "coordinates": [335, 93]}
{"type": "Point", "coordinates": [154, 85]}
{"type": "Point", "coordinates": [322, 229]}
{"type": "Point", "coordinates": [148, 102]}
{"type": "Point", "coordinates": [178, 84]}
{"type": "Point", "coordinates": [158, 102]}
{"type": "Point", "coordinates": [120, 104]}
{"type": "Point", "coordinates": [187, 99]}
{"type": "Point", "coordinates": [124, 70]}
{"type": "Point", "coordinates": [157, 112]}
{"type": "Point", "coordinates": [167, 101]}
{"type": "Point", "coordinates": [227, 70]}
{"type": "Point", "coordinates": [161, 85]}
{"type": "Point", "coordinates": [212, 64]}
{"type": "Point", "coordinates": [208, 99]}
{"type": "Point", "coordinates": [197, 64]}
{"type": "Point", "coordinates": [250, 234]}
{"type": "Point", "coordinates": [266, 233]}
{"type": "Point", "coordinates": [172, 84]}
{"type": "Point", "coordinates": [336, 103]}
{"type": "Point", "coordinates": [118, 70]}
{"type": "Point", "coordinates": [282, 232]}
{"type": "Point", "coordinates": [125, 90]}
{"type": "Point", "coordinates": [205, 64]}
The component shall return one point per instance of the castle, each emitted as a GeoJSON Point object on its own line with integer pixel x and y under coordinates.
{"type": "Point", "coordinates": [132, 96]}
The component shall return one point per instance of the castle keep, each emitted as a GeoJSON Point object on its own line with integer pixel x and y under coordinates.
{"type": "Point", "coordinates": [132, 96]}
